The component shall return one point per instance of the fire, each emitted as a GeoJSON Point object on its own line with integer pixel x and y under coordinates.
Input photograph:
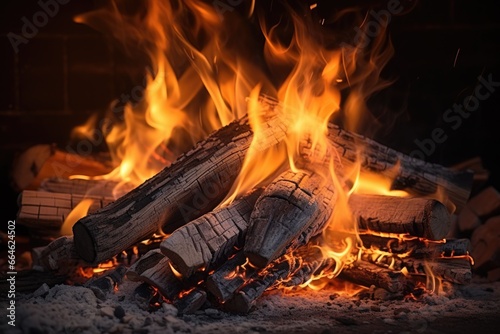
{"type": "Point", "coordinates": [200, 77]}
{"type": "Point", "coordinates": [80, 210]}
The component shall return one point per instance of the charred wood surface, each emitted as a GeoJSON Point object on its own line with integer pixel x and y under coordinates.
{"type": "Point", "coordinates": [454, 269]}
{"type": "Point", "coordinates": [293, 209]}
{"type": "Point", "coordinates": [101, 188]}
{"type": "Point", "coordinates": [145, 262]}
{"type": "Point", "coordinates": [191, 301]}
{"type": "Point", "coordinates": [192, 186]}
{"type": "Point", "coordinates": [291, 270]}
{"type": "Point", "coordinates": [416, 247]}
{"type": "Point", "coordinates": [367, 274]}
{"type": "Point", "coordinates": [418, 217]}
{"type": "Point", "coordinates": [207, 241]}
{"type": "Point", "coordinates": [164, 279]}
{"type": "Point", "coordinates": [41, 209]}
{"type": "Point", "coordinates": [58, 256]}
{"type": "Point", "coordinates": [233, 274]}
{"type": "Point", "coordinates": [413, 175]}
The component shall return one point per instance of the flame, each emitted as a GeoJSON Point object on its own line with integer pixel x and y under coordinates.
{"type": "Point", "coordinates": [79, 211]}
{"type": "Point", "coordinates": [193, 82]}
{"type": "Point", "coordinates": [175, 271]}
{"type": "Point", "coordinates": [200, 76]}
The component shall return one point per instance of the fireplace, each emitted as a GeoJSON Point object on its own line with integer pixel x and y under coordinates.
{"type": "Point", "coordinates": [248, 236]}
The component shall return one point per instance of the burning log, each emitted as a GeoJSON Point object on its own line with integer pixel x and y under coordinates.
{"type": "Point", "coordinates": [290, 270]}
{"type": "Point", "coordinates": [207, 241]}
{"type": "Point", "coordinates": [155, 269]}
{"type": "Point", "coordinates": [367, 274]}
{"type": "Point", "coordinates": [453, 269]}
{"type": "Point", "coordinates": [59, 256]}
{"type": "Point", "coordinates": [228, 278]}
{"type": "Point", "coordinates": [105, 283]}
{"type": "Point", "coordinates": [247, 294]}
{"type": "Point", "coordinates": [415, 176]}
{"type": "Point", "coordinates": [416, 247]}
{"type": "Point", "coordinates": [147, 261]}
{"type": "Point", "coordinates": [186, 190]}
{"type": "Point", "coordinates": [418, 217]}
{"type": "Point", "coordinates": [192, 186]}
{"type": "Point", "coordinates": [293, 208]}
{"type": "Point", "coordinates": [191, 301]}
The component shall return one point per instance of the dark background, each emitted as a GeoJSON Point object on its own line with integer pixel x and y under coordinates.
{"type": "Point", "coordinates": [69, 71]}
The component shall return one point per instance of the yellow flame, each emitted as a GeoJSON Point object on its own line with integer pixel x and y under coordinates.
{"type": "Point", "coordinates": [79, 211]}
{"type": "Point", "coordinates": [176, 273]}
{"type": "Point", "coordinates": [200, 77]}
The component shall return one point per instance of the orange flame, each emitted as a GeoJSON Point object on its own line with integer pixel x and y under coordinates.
{"type": "Point", "coordinates": [200, 77]}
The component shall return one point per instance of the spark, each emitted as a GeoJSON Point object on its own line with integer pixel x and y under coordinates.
{"type": "Point", "coordinates": [456, 57]}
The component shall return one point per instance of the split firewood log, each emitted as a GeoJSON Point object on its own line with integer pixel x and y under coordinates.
{"type": "Point", "coordinates": [452, 269]}
{"type": "Point", "coordinates": [418, 217]}
{"type": "Point", "coordinates": [59, 256]}
{"type": "Point", "coordinates": [42, 209]}
{"type": "Point", "coordinates": [207, 241]}
{"type": "Point", "coordinates": [367, 274]}
{"type": "Point", "coordinates": [293, 208]}
{"type": "Point", "coordinates": [479, 208]}
{"type": "Point", "coordinates": [75, 186]}
{"type": "Point", "coordinates": [485, 241]}
{"type": "Point", "coordinates": [155, 269]}
{"type": "Point", "coordinates": [190, 187]}
{"type": "Point", "coordinates": [416, 247]}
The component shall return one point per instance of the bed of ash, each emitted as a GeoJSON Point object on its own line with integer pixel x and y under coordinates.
{"type": "Point", "coordinates": [76, 309]}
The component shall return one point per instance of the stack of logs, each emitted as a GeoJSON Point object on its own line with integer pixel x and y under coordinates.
{"type": "Point", "coordinates": [479, 221]}
{"type": "Point", "coordinates": [230, 252]}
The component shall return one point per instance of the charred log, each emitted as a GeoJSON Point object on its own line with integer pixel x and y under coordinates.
{"type": "Point", "coordinates": [418, 217]}
{"type": "Point", "coordinates": [293, 209]}
{"type": "Point", "coordinates": [206, 242]}
{"type": "Point", "coordinates": [192, 186]}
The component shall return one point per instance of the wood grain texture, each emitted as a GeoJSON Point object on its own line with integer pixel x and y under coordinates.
{"type": "Point", "coordinates": [192, 186]}
{"type": "Point", "coordinates": [418, 217]}
{"type": "Point", "coordinates": [295, 207]}
{"type": "Point", "coordinates": [209, 240]}
{"type": "Point", "coordinates": [40, 209]}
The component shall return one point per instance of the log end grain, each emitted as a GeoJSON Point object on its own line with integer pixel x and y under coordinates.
{"type": "Point", "coordinates": [84, 243]}
{"type": "Point", "coordinates": [438, 219]}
